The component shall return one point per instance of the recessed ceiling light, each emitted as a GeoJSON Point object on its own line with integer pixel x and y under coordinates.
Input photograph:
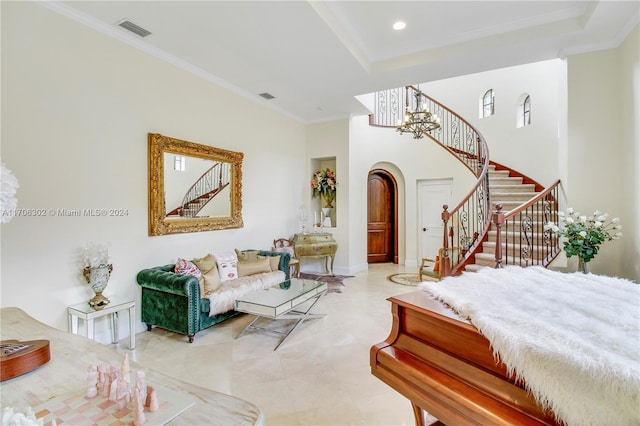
{"type": "Point", "coordinates": [399, 25]}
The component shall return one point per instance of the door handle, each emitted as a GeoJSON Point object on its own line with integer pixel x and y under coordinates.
{"type": "Point", "coordinates": [424, 229]}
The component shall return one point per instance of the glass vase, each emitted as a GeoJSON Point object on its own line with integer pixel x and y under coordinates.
{"type": "Point", "coordinates": [583, 266]}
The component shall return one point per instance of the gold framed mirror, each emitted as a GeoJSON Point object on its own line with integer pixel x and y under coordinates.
{"type": "Point", "coordinates": [193, 187]}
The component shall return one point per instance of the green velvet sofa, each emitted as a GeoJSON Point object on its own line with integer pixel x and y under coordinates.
{"type": "Point", "coordinates": [173, 302]}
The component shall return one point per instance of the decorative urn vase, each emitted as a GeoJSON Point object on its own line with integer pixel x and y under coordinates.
{"type": "Point", "coordinates": [98, 278]}
{"type": "Point", "coordinates": [328, 198]}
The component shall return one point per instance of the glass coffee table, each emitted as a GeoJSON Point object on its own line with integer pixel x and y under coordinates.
{"type": "Point", "coordinates": [281, 302]}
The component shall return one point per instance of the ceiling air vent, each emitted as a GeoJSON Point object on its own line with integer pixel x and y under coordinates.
{"type": "Point", "coordinates": [267, 96]}
{"type": "Point", "coordinates": [136, 29]}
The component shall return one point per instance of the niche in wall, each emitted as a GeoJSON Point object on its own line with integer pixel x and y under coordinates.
{"type": "Point", "coordinates": [326, 218]}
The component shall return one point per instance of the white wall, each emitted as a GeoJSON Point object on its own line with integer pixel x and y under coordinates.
{"type": "Point", "coordinates": [523, 149]}
{"type": "Point", "coordinates": [76, 110]}
{"type": "Point", "coordinates": [409, 161]}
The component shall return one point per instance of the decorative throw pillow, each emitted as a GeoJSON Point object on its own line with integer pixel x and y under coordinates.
{"type": "Point", "coordinates": [227, 266]}
{"type": "Point", "coordinates": [287, 249]}
{"type": "Point", "coordinates": [256, 267]}
{"type": "Point", "coordinates": [274, 261]}
{"type": "Point", "coordinates": [205, 264]}
{"type": "Point", "coordinates": [210, 275]}
{"type": "Point", "coordinates": [212, 281]}
{"type": "Point", "coordinates": [184, 267]}
{"type": "Point", "coordinates": [436, 266]}
{"type": "Point", "coordinates": [247, 256]}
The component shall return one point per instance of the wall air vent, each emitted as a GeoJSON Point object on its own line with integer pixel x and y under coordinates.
{"type": "Point", "coordinates": [267, 96]}
{"type": "Point", "coordinates": [136, 29]}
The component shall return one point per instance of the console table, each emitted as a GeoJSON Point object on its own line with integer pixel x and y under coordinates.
{"type": "Point", "coordinates": [316, 245]}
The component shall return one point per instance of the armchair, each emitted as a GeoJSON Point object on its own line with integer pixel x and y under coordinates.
{"type": "Point", "coordinates": [434, 268]}
{"type": "Point", "coordinates": [284, 245]}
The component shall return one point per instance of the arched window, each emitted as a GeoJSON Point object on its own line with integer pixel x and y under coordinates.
{"type": "Point", "coordinates": [524, 111]}
{"type": "Point", "coordinates": [487, 104]}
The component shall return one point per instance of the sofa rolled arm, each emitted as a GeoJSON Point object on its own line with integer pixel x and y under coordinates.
{"type": "Point", "coordinates": [162, 278]}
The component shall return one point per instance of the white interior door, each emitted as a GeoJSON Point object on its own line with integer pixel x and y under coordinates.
{"type": "Point", "coordinates": [432, 195]}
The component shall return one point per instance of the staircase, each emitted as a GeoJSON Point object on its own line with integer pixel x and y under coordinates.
{"type": "Point", "coordinates": [192, 207]}
{"type": "Point", "coordinates": [511, 192]}
{"type": "Point", "coordinates": [502, 219]}
{"type": "Point", "coordinates": [210, 184]}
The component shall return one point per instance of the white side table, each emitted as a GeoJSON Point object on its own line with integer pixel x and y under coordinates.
{"type": "Point", "coordinates": [88, 314]}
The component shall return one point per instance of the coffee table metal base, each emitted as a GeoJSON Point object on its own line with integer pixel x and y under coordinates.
{"type": "Point", "coordinates": [300, 316]}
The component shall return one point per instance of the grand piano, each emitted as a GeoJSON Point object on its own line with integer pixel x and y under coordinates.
{"type": "Point", "coordinates": [444, 366]}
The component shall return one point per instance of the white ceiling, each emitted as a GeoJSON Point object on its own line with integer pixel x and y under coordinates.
{"type": "Point", "coordinates": [315, 56]}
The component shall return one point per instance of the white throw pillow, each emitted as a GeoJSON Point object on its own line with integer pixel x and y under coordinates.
{"type": "Point", "coordinates": [227, 265]}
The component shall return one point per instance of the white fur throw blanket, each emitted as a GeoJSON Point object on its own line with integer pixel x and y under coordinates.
{"type": "Point", "coordinates": [573, 338]}
{"type": "Point", "coordinates": [224, 298]}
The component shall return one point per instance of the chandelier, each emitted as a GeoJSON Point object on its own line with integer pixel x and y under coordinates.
{"type": "Point", "coordinates": [420, 121]}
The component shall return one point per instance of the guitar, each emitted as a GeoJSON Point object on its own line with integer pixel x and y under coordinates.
{"type": "Point", "coordinates": [17, 358]}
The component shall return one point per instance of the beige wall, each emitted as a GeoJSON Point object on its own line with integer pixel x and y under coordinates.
{"type": "Point", "coordinates": [330, 141]}
{"type": "Point", "coordinates": [76, 109]}
{"type": "Point", "coordinates": [604, 145]}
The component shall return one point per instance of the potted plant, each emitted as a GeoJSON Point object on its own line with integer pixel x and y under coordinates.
{"type": "Point", "coordinates": [585, 234]}
{"type": "Point", "coordinates": [97, 271]}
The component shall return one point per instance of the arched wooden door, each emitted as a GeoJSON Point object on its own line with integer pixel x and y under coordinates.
{"type": "Point", "coordinates": [382, 225]}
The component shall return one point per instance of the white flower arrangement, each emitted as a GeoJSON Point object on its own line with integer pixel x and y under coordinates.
{"type": "Point", "coordinates": [95, 255]}
{"type": "Point", "coordinates": [585, 234]}
{"type": "Point", "coordinates": [8, 188]}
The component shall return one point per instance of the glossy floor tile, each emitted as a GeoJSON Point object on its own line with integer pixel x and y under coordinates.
{"type": "Point", "coordinates": [319, 376]}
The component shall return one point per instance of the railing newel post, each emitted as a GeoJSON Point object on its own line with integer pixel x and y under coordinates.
{"type": "Point", "coordinates": [445, 241]}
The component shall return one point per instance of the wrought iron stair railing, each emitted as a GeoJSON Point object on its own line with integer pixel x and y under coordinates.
{"type": "Point", "coordinates": [210, 184]}
{"type": "Point", "coordinates": [521, 235]}
{"type": "Point", "coordinates": [521, 238]}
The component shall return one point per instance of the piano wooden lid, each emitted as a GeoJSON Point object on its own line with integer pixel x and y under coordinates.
{"type": "Point", "coordinates": [423, 301]}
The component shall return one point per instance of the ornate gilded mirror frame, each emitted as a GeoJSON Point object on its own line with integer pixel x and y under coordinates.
{"type": "Point", "coordinates": [160, 223]}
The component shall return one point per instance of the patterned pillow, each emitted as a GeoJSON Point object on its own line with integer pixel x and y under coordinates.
{"type": "Point", "coordinates": [287, 249]}
{"type": "Point", "coordinates": [184, 267]}
{"type": "Point", "coordinates": [227, 265]}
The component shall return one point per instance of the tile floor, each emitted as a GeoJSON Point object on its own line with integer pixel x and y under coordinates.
{"type": "Point", "coordinates": [319, 376]}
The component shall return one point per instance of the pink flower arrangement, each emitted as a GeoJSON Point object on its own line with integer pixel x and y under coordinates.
{"type": "Point", "coordinates": [324, 183]}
